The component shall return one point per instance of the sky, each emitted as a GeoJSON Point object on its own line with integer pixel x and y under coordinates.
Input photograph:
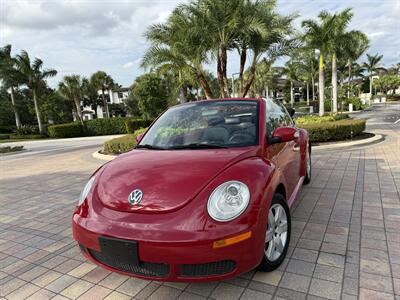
{"type": "Point", "coordinates": [84, 36]}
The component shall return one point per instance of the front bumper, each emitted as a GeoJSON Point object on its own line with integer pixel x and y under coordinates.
{"type": "Point", "coordinates": [173, 260]}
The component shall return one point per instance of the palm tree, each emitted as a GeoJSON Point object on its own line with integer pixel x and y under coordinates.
{"type": "Point", "coordinates": [34, 76]}
{"type": "Point", "coordinates": [10, 77]}
{"type": "Point", "coordinates": [353, 52]}
{"type": "Point", "coordinates": [71, 88]}
{"type": "Point", "coordinates": [338, 40]}
{"type": "Point", "coordinates": [317, 36]}
{"type": "Point", "coordinates": [102, 81]}
{"type": "Point", "coordinates": [180, 47]}
{"type": "Point", "coordinates": [372, 65]}
{"type": "Point", "coordinates": [291, 71]}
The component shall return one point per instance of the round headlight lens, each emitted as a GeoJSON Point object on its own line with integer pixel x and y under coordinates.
{"type": "Point", "coordinates": [86, 190]}
{"type": "Point", "coordinates": [228, 201]}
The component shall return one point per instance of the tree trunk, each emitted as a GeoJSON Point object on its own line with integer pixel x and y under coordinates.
{"type": "Point", "coordinates": [220, 76]}
{"type": "Point", "coordinates": [291, 94]}
{"type": "Point", "coordinates": [204, 84]}
{"type": "Point", "coordinates": [266, 91]}
{"type": "Point", "coordinates": [107, 115]}
{"type": "Point", "coordinates": [77, 103]}
{"type": "Point", "coordinates": [250, 79]}
{"type": "Point", "coordinates": [313, 87]}
{"type": "Point", "coordinates": [183, 94]}
{"type": "Point", "coordinates": [243, 57]}
{"type": "Point", "coordinates": [16, 114]}
{"type": "Point", "coordinates": [41, 129]}
{"type": "Point", "coordinates": [224, 62]}
{"type": "Point", "coordinates": [308, 94]}
{"type": "Point", "coordinates": [349, 82]}
{"type": "Point", "coordinates": [321, 85]}
{"type": "Point", "coordinates": [334, 84]}
{"type": "Point", "coordinates": [370, 83]}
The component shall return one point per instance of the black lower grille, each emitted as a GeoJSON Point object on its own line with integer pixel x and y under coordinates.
{"type": "Point", "coordinates": [148, 269]}
{"type": "Point", "coordinates": [208, 269]}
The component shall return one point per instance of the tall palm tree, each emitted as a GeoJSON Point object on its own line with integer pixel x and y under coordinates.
{"type": "Point", "coordinates": [71, 88]}
{"type": "Point", "coordinates": [353, 52]}
{"type": "Point", "coordinates": [317, 36]}
{"type": "Point", "coordinates": [372, 65]}
{"type": "Point", "coordinates": [10, 77]}
{"type": "Point", "coordinates": [34, 76]}
{"type": "Point", "coordinates": [179, 46]}
{"type": "Point", "coordinates": [338, 40]}
{"type": "Point", "coordinates": [102, 81]}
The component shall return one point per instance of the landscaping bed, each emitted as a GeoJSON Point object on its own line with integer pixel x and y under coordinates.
{"type": "Point", "coordinates": [10, 149]}
{"type": "Point", "coordinates": [121, 144]}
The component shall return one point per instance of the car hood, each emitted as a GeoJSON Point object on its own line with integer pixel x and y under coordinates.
{"type": "Point", "coordinates": [168, 179]}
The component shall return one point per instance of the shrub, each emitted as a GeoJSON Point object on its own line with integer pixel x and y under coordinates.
{"type": "Point", "coordinates": [335, 130]}
{"type": "Point", "coordinates": [356, 101]}
{"type": "Point", "coordinates": [7, 129]}
{"type": "Point", "coordinates": [65, 130]}
{"type": "Point", "coordinates": [105, 126]}
{"type": "Point", "coordinates": [28, 136]}
{"type": "Point", "coordinates": [311, 119]}
{"type": "Point", "coordinates": [135, 124]}
{"type": "Point", "coordinates": [28, 129]}
{"type": "Point", "coordinates": [9, 149]}
{"type": "Point", "coordinates": [4, 136]}
{"type": "Point", "coordinates": [122, 144]}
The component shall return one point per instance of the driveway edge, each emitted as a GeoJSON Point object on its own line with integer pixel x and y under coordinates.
{"type": "Point", "coordinates": [365, 142]}
{"type": "Point", "coordinates": [101, 156]}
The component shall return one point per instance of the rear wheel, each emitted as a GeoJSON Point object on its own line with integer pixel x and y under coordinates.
{"type": "Point", "coordinates": [307, 178]}
{"type": "Point", "coordinates": [277, 235]}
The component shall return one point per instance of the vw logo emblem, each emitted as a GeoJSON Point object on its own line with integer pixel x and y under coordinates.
{"type": "Point", "coordinates": [135, 197]}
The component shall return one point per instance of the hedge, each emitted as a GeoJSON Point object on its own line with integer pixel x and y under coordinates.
{"type": "Point", "coordinates": [105, 126]}
{"type": "Point", "coordinates": [122, 144]}
{"type": "Point", "coordinates": [4, 136]}
{"type": "Point", "coordinates": [98, 127]}
{"type": "Point", "coordinates": [133, 125]}
{"type": "Point", "coordinates": [65, 130]}
{"type": "Point", "coordinates": [334, 131]}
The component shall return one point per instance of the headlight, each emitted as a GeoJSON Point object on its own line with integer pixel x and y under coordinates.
{"type": "Point", "coordinates": [228, 201]}
{"type": "Point", "coordinates": [86, 190]}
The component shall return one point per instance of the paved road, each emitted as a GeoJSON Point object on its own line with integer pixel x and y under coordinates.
{"type": "Point", "coordinates": [381, 114]}
{"type": "Point", "coordinates": [345, 241]}
{"type": "Point", "coordinates": [40, 147]}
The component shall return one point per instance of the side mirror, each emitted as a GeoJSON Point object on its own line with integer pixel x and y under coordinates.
{"type": "Point", "coordinates": [139, 137]}
{"type": "Point", "coordinates": [283, 134]}
{"type": "Point", "coordinates": [291, 111]}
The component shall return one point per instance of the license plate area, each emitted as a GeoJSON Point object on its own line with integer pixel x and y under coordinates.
{"type": "Point", "coordinates": [123, 251]}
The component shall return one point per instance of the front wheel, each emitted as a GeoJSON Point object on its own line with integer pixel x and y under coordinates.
{"type": "Point", "coordinates": [277, 235]}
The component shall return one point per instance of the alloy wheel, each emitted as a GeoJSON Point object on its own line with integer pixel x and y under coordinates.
{"type": "Point", "coordinates": [277, 231]}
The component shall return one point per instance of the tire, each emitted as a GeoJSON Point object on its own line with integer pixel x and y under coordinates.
{"type": "Point", "coordinates": [307, 178]}
{"type": "Point", "coordinates": [273, 258]}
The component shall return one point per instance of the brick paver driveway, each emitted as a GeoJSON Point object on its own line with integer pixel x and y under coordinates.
{"type": "Point", "coordinates": [345, 242]}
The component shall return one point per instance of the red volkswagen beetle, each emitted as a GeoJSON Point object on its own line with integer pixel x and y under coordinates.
{"type": "Point", "coordinates": [204, 196]}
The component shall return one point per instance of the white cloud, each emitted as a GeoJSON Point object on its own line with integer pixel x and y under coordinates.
{"type": "Point", "coordinates": [83, 36]}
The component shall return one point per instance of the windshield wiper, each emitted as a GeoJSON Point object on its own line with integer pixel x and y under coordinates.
{"type": "Point", "coordinates": [197, 146]}
{"type": "Point", "coordinates": [147, 146]}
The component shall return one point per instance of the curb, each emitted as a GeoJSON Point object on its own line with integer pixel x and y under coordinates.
{"type": "Point", "coordinates": [100, 156]}
{"type": "Point", "coordinates": [372, 140]}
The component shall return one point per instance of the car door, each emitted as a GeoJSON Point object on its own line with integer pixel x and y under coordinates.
{"type": "Point", "coordinates": [285, 155]}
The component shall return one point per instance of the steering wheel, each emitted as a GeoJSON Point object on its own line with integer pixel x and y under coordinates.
{"type": "Point", "coordinates": [241, 137]}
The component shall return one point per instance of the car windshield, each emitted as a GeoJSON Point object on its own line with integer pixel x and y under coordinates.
{"type": "Point", "coordinates": [205, 125]}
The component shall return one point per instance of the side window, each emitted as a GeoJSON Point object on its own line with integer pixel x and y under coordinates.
{"type": "Point", "coordinates": [288, 118]}
{"type": "Point", "coordinates": [276, 116]}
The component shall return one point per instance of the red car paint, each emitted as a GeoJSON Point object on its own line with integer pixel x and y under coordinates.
{"type": "Point", "coordinates": [173, 226]}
